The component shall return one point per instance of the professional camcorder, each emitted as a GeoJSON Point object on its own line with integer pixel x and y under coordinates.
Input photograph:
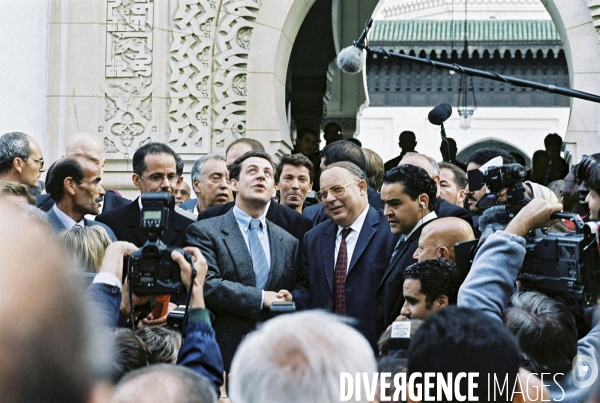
{"type": "Point", "coordinates": [508, 176]}
{"type": "Point", "coordinates": [151, 270]}
{"type": "Point", "coordinates": [564, 266]}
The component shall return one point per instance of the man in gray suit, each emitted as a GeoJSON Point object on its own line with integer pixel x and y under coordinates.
{"type": "Point", "coordinates": [251, 261]}
{"type": "Point", "coordinates": [74, 183]}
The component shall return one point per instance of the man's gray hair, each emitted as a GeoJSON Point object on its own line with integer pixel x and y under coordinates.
{"type": "Point", "coordinates": [198, 168]}
{"type": "Point", "coordinates": [299, 358]}
{"type": "Point", "coordinates": [435, 168]}
{"type": "Point", "coordinates": [12, 145]}
{"type": "Point", "coordinates": [350, 167]}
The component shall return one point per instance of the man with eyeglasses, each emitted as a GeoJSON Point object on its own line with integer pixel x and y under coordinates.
{"type": "Point", "coordinates": [156, 168]}
{"type": "Point", "coordinates": [21, 159]}
{"type": "Point", "coordinates": [343, 259]}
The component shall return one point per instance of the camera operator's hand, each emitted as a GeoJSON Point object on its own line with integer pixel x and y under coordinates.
{"type": "Point", "coordinates": [201, 267]}
{"type": "Point", "coordinates": [138, 300]}
{"type": "Point", "coordinates": [534, 215]}
{"type": "Point", "coordinates": [113, 258]}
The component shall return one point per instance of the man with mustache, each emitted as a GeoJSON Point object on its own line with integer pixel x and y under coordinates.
{"type": "Point", "coordinates": [294, 178]}
{"type": "Point", "coordinates": [210, 183]}
{"type": "Point", "coordinates": [74, 183]}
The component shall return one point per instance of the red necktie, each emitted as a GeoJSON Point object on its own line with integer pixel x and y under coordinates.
{"type": "Point", "coordinates": [341, 268]}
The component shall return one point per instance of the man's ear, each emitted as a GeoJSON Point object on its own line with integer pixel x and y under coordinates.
{"type": "Point", "coordinates": [444, 252]}
{"type": "Point", "coordinates": [69, 185]}
{"type": "Point", "coordinates": [442, 301]}
{"type": "Point", "coordinates": [18, 164]}
{"type": "Point", "coordinates": [424, 200]}
{"type": "Point", "coordinates": [362, 185]}
{"type": "Point", "coordinates": [234, 185]}
{"type": "Point", "coordinates": [461, 196]}
{"type": "Point", "coordinates": [196, 186]}
{"type": "Point", "coordinates": [137, 181]}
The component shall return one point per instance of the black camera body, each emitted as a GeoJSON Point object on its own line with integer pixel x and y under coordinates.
{"type": "Point", "coordinates": [497, 178]}
{"type": "Point", "coordinates": [151, 270]}
{"type": "Point", "coordinates": [503, 177]}
{"type": "Point", "coordinates": [564, 266]}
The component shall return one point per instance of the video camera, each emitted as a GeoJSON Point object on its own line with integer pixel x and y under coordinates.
{"type": "Point", "coordinates": [564, 266]}
{"type": "Point", "coordinates": [151, 270]}
{"type": "Point", "coordinates": [497, 178]}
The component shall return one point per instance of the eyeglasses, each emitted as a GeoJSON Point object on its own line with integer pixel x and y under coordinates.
{"type": "Point", "coordinates": [39, 163]}
{"type": "Point", "coordinates": [158, 178]}
{"type": "Point", "coordinates": [336, 190]}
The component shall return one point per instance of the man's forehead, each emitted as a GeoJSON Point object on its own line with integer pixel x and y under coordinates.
{"type": "Point", "coordinates": [258, 162]}
{"type": "Point", "coordinates": [289, 167]}
{"type": "Point", "coordinates": [160, 161]}
{"type": "Point", "coordinates": [335, 175]}
{"type": "Point", "coordinates": [447, 174]}
{"type": "Point", "coordinates": [213, 165]}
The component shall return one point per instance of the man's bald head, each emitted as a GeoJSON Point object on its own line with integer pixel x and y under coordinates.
{"type": "Point", "coordinates": [45, 337]}
{"type": "Point", "coordinates": [425, 162]}
{"type": "Point", "coordinates": [439, 236]}
{"type": "Point", "coordinates": [87, 145]}
{"type": "Point", "coordinates": [164, 383]}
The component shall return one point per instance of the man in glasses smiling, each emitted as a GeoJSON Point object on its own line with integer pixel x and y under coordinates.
{"type": "Point", "coordinates": [343, 259]}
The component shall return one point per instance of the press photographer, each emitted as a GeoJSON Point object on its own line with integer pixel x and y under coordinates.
{"type": "Point", "coordinates": [544, 327]}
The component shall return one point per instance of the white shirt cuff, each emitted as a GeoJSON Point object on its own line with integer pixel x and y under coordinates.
{"type": "Point", "coordinates": [108, 278]}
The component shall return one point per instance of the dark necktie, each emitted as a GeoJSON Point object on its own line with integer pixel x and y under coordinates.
{"type": "Point", "coordinates": [341, 271]}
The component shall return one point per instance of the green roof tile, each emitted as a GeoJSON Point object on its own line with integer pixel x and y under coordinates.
{"type": "Point", "coordinates": [478, 31]}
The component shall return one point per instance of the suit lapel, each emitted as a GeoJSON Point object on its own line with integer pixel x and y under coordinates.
{"type": "Point", "coordinates": [328, 252]}
{"type": "Point", "coordinates": [133, 222]}
{"type": "Point", "coordinates": [276, 245]}
{"type": "Point", "coordinates": [367, 232]}
{"type": "Point", "coordinates": [401, 251]}
{"type": "Point", "coordinates": [238, 250]}
{"type": "Point", "coordinates": [55, 222]}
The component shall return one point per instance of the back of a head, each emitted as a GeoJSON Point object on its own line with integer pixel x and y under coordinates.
{"type": "Point", "coordinates": [164, 383]}
{"type": "Point", "coordinates": [298, 358]}
{"type": "Point", "coordinates": [85, 246]}
{"type": "Point", "coordinates": [12, 145]}
{"type": "Point", "coordinates": [87, 145]}
{"type": "Point", "coordinates": [545, 330]}
{"type": "Point", "coordinates": [423, 161]}
{"type": "Point", "coordinates": [17, 189]}
{"type": "Point", "coordinates": [162, 344]}
{"type": "Point", "coordinates": [480, 157]}
{"type": "Point", "coordinates": [254, 144]}
{"type": "Point", "coordinates": [553, 139]}
{"type": "Point", "coordinates": [130, 353]}
{"type": "Point", "coordinates": [460, 340]}
{"type": "Point", "coordinates": [344, 150]}
{"type": "Point", "coordinates": [46, 342]}
{"type": "Point", "coordinates": [375, 168]}
{"type": "Point", "coordinates": [438, 277]}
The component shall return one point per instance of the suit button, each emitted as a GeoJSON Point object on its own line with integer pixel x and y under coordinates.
{"type": "Point", "coordinates": [114, 290]}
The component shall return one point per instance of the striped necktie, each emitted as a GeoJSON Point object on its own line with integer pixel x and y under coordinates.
{"type": "Point", "coordinates": [259, 259]}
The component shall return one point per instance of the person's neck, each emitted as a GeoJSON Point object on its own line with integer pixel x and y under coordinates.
{"type": "Point", "coordinates": [254, 209]}
{"type": "Point", "coordinates": [68, 208]}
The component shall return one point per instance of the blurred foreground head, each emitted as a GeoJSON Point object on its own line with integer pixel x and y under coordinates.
{"type": "Point", "coordinates": [47, 349]}
{"type": "Point", "coordinates": [298, 358]}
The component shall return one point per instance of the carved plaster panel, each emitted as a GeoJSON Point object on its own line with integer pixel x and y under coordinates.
{"type": "Point", "coordinates": [208, 81]}
{"type": "Point", "coordinates": [128, 82]}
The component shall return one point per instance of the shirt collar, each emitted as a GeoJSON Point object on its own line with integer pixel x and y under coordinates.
{"type": "Point", "coordinates": [67, 221]}
{"type": "Point", "coordinates": [243, 218]}
{"type": "Point", "coordinates": [358, 223]}
{"type": "Point", "coordinates": [427, 218]}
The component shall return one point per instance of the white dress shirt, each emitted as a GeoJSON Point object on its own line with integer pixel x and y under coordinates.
{"type": "Point", "coordinates": [351, 238]}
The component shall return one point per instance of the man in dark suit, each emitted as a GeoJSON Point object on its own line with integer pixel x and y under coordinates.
{"type": "Point", "coordinates": [343, 259]}
{"type": "Point", "coordinates": [407, 142]}
{"type": "Point", "coordinates": [408, 193]}
{"type": "Point", "coordinates": [90, 146]}
{"type": "Point", "coordinates": [210, 183]}
{"type": "Point", "coordinates": [75, 185]}
{"type": "Point", "coordinates": [442, 207]}
{"type": "Point", "coordinates": [252, 262]}
{"type": "Point", "coordinates": [338, 152]}
{"type": "Point", "coordinates": [156, 168]}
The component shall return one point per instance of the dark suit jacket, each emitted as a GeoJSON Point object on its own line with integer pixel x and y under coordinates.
{"type": "Point", "coordinates": [125, 222]}
{"type": "Point", "coordinates": [316, 213]}
{"type": "Point", "coordinates": [389, 293]}
{"type": "Point", "coordinates": [290, 220]}
{"type": "Point", "coordinates": [444, 208]}
{"type": "Point", "coordinates": [111, 201]}
{"type": "Point", "coordinates": [371, 256]}
{"type": "Point", "coordinates": [58, 226]}
{"type": "Point", "coordinates": [189, 205]}
{"type": "Point", "coordinates": [230, 289]}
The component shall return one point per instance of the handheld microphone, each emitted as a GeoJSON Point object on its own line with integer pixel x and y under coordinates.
{"type": "Point", "coordinates": [440, 114]}
{"type": "Point", "coordinates": [350, 60]}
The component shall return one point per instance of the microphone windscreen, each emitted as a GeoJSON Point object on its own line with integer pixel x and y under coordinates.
{"type": "Point", "coordinates": [350, 60]}
{"type": "Point", "coordinates": [440, 114]}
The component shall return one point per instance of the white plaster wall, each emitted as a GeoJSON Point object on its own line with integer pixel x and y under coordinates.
{"type": "Point", "coordinates": [23, 67]}
{"type": "Point", "coordinates": [523, 128]}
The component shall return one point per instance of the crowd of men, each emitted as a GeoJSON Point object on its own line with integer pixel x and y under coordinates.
{"type": "Point", "coordinates": [300, 270]}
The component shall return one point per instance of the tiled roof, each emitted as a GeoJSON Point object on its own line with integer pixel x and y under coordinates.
{"type": "Point", "coordinates": [478, 31]}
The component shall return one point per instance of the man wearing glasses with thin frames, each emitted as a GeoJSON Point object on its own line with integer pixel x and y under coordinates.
{"type": "Point", "coordinates": [343, 259]}
{"type": "Point", "coordinates": [21, 159]}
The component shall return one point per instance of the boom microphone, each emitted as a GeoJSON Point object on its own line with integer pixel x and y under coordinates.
{"type": "Point", "coordinates": [440, 114]}
{"type": "Point", "coordinates": [351, 59]}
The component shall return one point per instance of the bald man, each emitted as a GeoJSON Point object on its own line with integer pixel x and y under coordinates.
{"type": "Point", "coordinates": [49, 350]}
{"type": "Point", "coordinates": [90, 146]}
{"type": "Point", "coordinates": [439, 236]}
